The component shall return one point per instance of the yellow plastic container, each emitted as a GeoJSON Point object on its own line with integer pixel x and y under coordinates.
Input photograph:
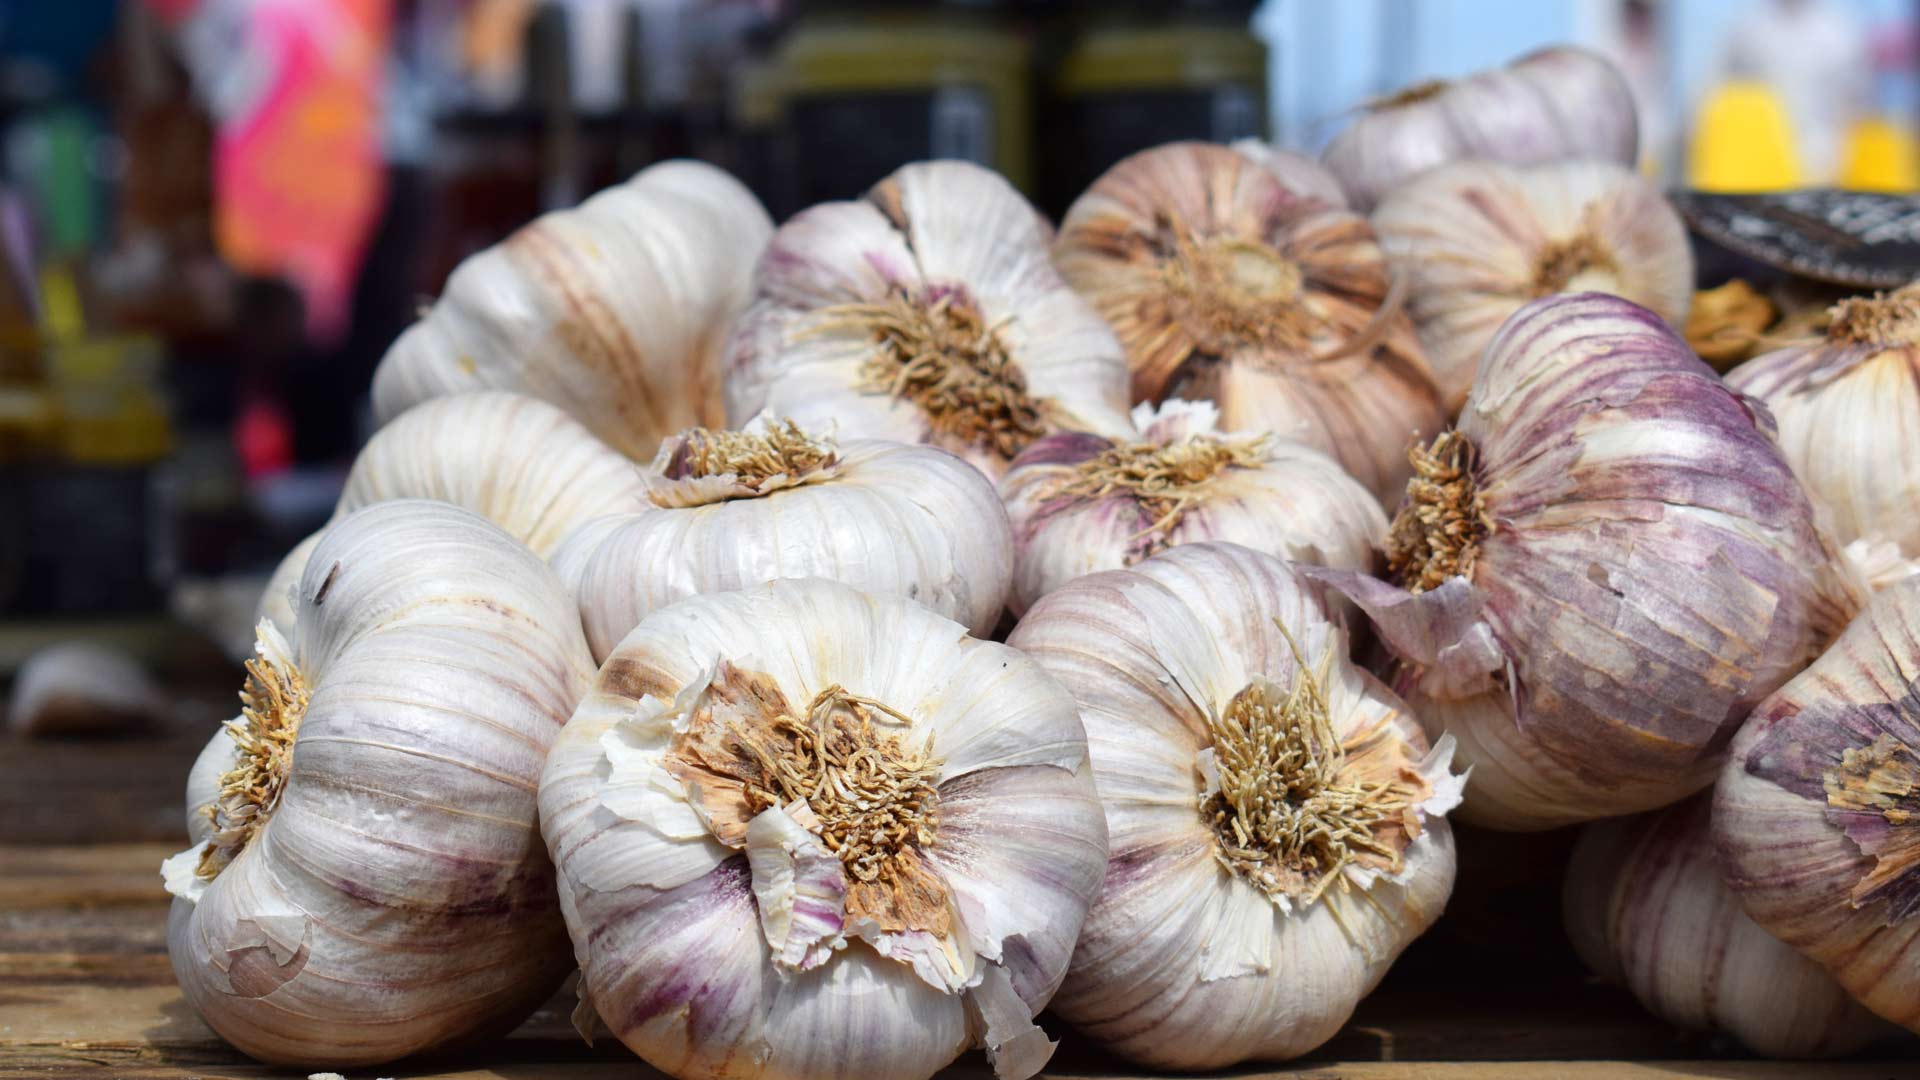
{"type": "Point", "coordinates": [1743, 141]}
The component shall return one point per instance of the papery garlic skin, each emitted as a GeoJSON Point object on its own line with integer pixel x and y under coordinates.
{"type": "Point", "coordinates": [1556, 104]}
{"type": "Point", "coordinates": [1646, 908]}
{"type": "Point", "coordinates": [882, 516]}
{"type": "Point", "coordinates": [719, 941]}
{"type": "Point", "coordinates": [1848, 409]}
{"type": "Point", "coordinates": [80, 687]}
{"type": "Point", "coordinates": [396, 896]}
{"type": "Point", "coordinates": [1232, 280]}
{"type": "Point", "coordinates": [1185, 963]}
{"type": "Point", "coordinates": [1600, 571]}
{"type": "Point", "coordinates": [514, 460]}
{"type": "Point", "coordinates": [925, 312]}
{"type": "Point", "coordinates": [616, 310]}
{"type": "Point", "coordinates": [1477, 240]}
{"type": "Point", "coordinates": [1813, 812]}
{"type": "Point", "coordinates": [1081, 503]}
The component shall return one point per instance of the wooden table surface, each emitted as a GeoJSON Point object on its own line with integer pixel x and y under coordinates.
{"type": "Point", "coordinates": [86, 990]}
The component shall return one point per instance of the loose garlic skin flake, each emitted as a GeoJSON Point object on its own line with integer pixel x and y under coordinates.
{"type": "Point", "coordinates": [1277, 829]}
{"type": "Point", "coordinates": [515, 460]}
{"type": "Point", "coordinates": [616, 310]}
{"type": "Point", "coordinates": [925, 312]}
{"type": "Point", "coordinates": [738, 914]}
{"type": "Point", "coordinates": [733, 509]}
{"type": "Point", "coordinates": [1817, 813]}
{"type": "Point", "coordinates": [366, 879]}
{"type": "Point", "coordinates": [1647, 909]}
{"type": "Point", "coordinates": [1082, 503]}
{"type": "Point", "coordinates": [1478, 240]}
{"type": "Point", "coordinates": [1234, 280]}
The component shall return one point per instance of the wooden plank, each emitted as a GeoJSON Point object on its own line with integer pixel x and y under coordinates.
{"type": "Point", "coordinates": [94, 790]}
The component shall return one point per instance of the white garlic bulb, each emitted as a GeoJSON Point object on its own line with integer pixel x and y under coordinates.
{"type": "Point", "coordinates": [1848, 409]}
{"type": "Point", "coordinates": [515, 460]}
{"type": "Point", "coordinates": [1646, 908]}
{"type": "Point", "coordinates": [925, 312]}
{"type": "Point", "coordinates": [732, 509]}
{"type": "Point", "coordinates": [1081, 503]}
{"type": "Point", "coordinates": [616, 311]}
{"type": "Point", "coordinates": [808, 832]}
{"type": "Point", "coordinates": [1275, 815]}
{"type": "Point", "coordinates": [1552, 105]}
{"type": "Point", "coordinates": [1817, 813]}
{"type": "Point", "coordinates": [1600, 571]}
{"type": "Point", "coordinates": [1478, 239]}
{"type": "Point", "coordinates": [366, 880]}
{"type": "Point", "coordinates": [1236, 281]}
{"type": "Point", "coordinates": [79, 688]}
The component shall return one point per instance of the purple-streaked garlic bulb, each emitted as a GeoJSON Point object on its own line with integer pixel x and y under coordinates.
{"type": "Point", "coordinates": [1478, 239]}
{"type": "Point", "coordinates": [925, 312]}
{"type": "Point", "coordinates": [1848, 409]}
{"type": "Point", "coordinates": [1082, 503]}
{"type": "Point", "coordinates": [1559, 103]}
{"type": "Point", "coordinates": [1277, 818]}
{"type": "Point", "coordinates": [1600, 571]}
{"type": "Point", "coordinates": [1238, 281]}
{"type": "Point", "coordinates": [1647, 908]}
{"type": "Point", "coordinates": [808, 832]}
{"type": "Point", "coordinates": [1817, 813]}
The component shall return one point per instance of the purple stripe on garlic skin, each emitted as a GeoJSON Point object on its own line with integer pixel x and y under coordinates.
{"type": "Point", "coordinates": [1641, 568]}
{"type": "Point", "coordinates": [1813, 813]}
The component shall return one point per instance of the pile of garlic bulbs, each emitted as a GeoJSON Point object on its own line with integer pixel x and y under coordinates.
{"type": "Point", "coordinates": [654, 633]}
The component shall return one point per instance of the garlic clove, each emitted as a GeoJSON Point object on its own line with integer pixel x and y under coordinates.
{"type": "Point", "coordinates": [81, 688]}
{"type": "Point", "coordinates": [1081, 503]}
{"type": "Point", "coordinates": [616, 310]}
{"type": "Point", "coordinates": [1191, 670]}
{"type": "Point", "coordinates": [733, 509]}
{"type": "Point", "coordinates": [366, 889]}
{"type": "Point", "coordinates": [1551, 105]}
{"type": "Point", "coordinates": [926, 312]}
{"type": "Point", "coordinates": [1233, 281]}
{"type": "Point", "coordinates": [515, 460]}
{"type": "Point", "coordinates": [1477, 240]}
{"type": "Point", "coordinates": [1647, 909]}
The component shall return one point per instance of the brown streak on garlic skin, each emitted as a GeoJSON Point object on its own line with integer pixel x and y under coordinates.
{"type": "Point", "coordinates": [1420, 91]}
{"type": "Point", "coordinates": [871, 797]}
{"type": "Point", "coordinates": [1439, 529]}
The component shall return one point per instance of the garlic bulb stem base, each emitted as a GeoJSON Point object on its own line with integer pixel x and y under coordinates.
{"type": "Point", "coordinates": [1437, 533]}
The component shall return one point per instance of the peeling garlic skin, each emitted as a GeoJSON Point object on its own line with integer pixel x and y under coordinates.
{"type": "Point", "coordinates": [925, 312]}
{"type": "Point", "coordinates": [396, 896]}
{"type": "Point", "coordinates": [720, 935]}
{"type": "Point", "coordinates": [1478, 240]}
{"type": "Point", "coordinates": [616, 310]}
{"type": "Point", "coordinates": [1814, 812]}
{"type": "Point", "coordinates": [1647, 909]}
{"type": "Point", "coordinates": [1556, 104]}
{"type": "Point", "coordinates": [1082, 503]}
{"type": "Point", "coordinates": [1187, 961]}
{"type": "Point", "coordinates": [1651, 571]}
{"type": "Point", "coordinates": [1232, 280]}
{"type": "Point", "coordinates": [1848, 409]}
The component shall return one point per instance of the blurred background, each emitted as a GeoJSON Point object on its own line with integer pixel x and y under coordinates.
{"type": "Point", "coordinates": [216, 214]}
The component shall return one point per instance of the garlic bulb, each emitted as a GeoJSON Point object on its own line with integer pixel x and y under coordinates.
{"type": "Point", "coordinates": [365, 880]}
{"type": "Point", "coordinates": [1552, 105]}
{"type": "Point", "coordinates": [1081, 503]}
{"type": "Point", "coordinates": [81, 688]}
{"type": "Point", "coordinates": [805, 831]}
{"type": "Point", "coordinates": [616, 310]}
{"type": "Point", "coordinates": [517, 461]}
{"type": "Point", "coordinates": [732, 509]}
{"type": "Point", "coordinates": [1848, 409]}
{"type": "Point", "coordinates": [1275, 814]}
{"type": "Point", "coordinates": [1477, 240]}
{"type": "Point", "coordinates": [1646, 907]}
{"type": "Point", "coordinates": [1233, 281]}
{"type": "Point", "coordinates": [1815, 812]}
{"type": "Point", "coordinates": [925, 312]}
{"type": "Point", "coordinates": [1600, 571]}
